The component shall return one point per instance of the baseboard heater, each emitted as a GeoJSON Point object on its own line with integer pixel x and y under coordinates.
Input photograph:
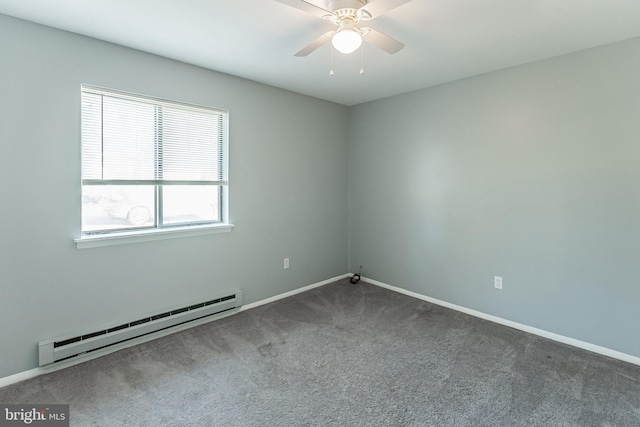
{"type": "Point", "coordinates": [57, 349]}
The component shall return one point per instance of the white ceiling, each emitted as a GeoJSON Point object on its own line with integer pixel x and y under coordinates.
{"type": "Point", "coordinates": [445, 39]}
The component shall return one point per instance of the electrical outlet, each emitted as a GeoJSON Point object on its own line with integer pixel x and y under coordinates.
{"type": "Point", "coordinates": [286, 263]}
{"type": "Point", "coordinates": [497, 282]}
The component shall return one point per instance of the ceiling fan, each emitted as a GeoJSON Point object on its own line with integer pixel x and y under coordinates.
{"type": "Point", "coordinates": [347, 16]}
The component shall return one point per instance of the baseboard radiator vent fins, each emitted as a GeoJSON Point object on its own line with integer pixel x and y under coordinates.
{"type": "Point", "coordinates": [57, 349]}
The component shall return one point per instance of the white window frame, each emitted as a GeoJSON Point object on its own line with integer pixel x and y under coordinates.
{"type": "Point", "coordinates": [159, 232]}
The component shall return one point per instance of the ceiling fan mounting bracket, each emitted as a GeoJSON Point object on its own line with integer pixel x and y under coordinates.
{"type": "Point", "coordinates": [336, 5]}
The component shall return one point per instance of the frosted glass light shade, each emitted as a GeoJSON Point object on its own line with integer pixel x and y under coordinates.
{"type": "Point", "coordinates": [346, 40]}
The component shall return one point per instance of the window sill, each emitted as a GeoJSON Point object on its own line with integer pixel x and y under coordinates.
{"type": "Point", "coordinates": [97, 240]}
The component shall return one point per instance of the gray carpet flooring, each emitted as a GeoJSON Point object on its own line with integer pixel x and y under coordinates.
{"type": "Point", "coordinates": [344, 355]}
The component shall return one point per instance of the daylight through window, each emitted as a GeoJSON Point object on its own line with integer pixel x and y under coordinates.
{"type": "Point", "coordinates": [149, 163]}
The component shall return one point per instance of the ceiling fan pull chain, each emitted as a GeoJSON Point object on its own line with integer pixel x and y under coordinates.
{"type": "Point", "coordinates": [362, 60]}
{"type": "Point", "coordinates": [331, 55]}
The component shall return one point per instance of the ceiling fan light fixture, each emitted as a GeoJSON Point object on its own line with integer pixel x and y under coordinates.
{"type": "Point", "coordinates": [346, 40]}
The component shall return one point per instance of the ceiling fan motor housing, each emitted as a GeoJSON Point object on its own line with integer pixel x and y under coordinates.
{"type": "Point", "coordinates": [347, 23]}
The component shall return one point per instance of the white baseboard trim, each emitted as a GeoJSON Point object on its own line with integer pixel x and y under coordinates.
{"type": "Point", "coordinates": [32, 373]}
{"type": "Point", "coordinates": [20, 376]}
{"type": "Point", "coordinates": [293, 292]}
{"type": "Point", "coordinates": [515, 325]}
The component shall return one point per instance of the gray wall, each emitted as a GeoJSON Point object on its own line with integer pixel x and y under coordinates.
{"type": "Point", "coordinates": [288, 193]}
{"type": "Point", "coordinates": [530, 173]}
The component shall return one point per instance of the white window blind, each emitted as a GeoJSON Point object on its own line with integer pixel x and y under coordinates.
{"type": "Point", "coordinates": [136, 139]}
{"type": "Point", "coordinates": [174, 153]}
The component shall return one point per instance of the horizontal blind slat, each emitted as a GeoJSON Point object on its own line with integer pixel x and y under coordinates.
{"type": "Point", "coordinates": [148, 182]}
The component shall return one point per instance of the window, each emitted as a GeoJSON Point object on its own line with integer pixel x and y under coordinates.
{"type": "Point", "coordinates": [150, 164]}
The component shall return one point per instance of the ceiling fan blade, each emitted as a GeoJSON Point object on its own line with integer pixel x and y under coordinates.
{"type": "Point", "coordinates": [315, 44]}
{"type": "Point", "coordinates": [376, 8]}
{"type": "Point", "coordinates": [306, 7]}
{"type": "Point", "coordinates": [382, 41]}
